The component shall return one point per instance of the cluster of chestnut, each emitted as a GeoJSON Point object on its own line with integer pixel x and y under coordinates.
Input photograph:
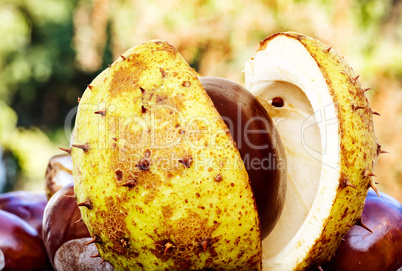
{"type": "Point", "coordinates": [21, 245]}
{"type": "Point", "coordinates": [41, 231]}
{"type": "Point", "coordinates": [45, 231]}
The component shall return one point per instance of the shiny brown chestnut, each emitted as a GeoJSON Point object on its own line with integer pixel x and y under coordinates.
{"type": "Point", "coordinates": [20, 244]}
{"type": "Point", "coordinates": [379, 250]}
{"type": "Point", "coordinates": [58, 173]}
{"type": "Point", "coordinates": [67, 240]}
{"type": "Point", "coordinates": [259, 145]}
{"type": "Point", "coordinates": [29, 206]}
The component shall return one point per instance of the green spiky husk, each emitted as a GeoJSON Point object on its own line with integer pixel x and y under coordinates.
{"type": "Point", "coordinates": [149, 149]}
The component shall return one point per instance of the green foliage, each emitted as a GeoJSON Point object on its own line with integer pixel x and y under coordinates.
{"type": "Point", "coordinates": [39, 83]}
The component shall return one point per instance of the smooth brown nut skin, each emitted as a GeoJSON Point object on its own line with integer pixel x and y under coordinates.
{"type": "Point", "coordinates": [65, 237]}
{"type": "Point", "coordinates": [59, 221]}
{"type": "Point", "coordinates": [28, 206]}
{"type": "Point", "coordinates": [377, 251]}
{"type": "Point", "coordinates": [21, 245]}
{"type": "Point", "coordinates": [262, 152]}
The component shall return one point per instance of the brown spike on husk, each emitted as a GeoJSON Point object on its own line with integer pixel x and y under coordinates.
{"type": "Point", "coordinates": [379, 150]}
{"type": "Point", "coordinates": [360, 223]}
{"type": "Point", "coordinates": [186, 161]}
{"type": "Point", "coordinates": [144, 165]}
{"type": "Point", "coordinates": [130, 184]}
{"type": "Point", "coordinates": [167, 246]}
{"type": "Point", "coordinates": [95, 239]}
{"type": "Point", "coordinates": [86, 203]}
{"type": "Point", "coordinates": [376, 113]}
{"type": "Point", "coordinates": [68, 151]}
{"type": "Point", "coordinates": [204, 245]}
{"type": "Point", "coordinates": [101, 112]}
{"type": "Point", "coordinates": [95, 256]}
{"type": "Point", "coordinates": [371, 174]}
{"type": "Point", "coordinates": [163, 72]}
{"type": "Point", "coordinates": [84, 147]}
{"type": "Point", "coordinates": [143, 109]}
{"type": "Point", "coordinates": [357, 107]}
{"type": "Point", "coordinates": [372, 185]}
{"type": "Point", "coordinates": [367, 173]}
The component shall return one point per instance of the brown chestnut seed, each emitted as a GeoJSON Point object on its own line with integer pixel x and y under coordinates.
{"type": "Point", "coordinates": [26, 205]}
{"type": "Point", "coordinates": [65, 238]}
{"type": "Point", "coordinates": [20, 244]}
{"type": "Point", "coordinates": [380, 250]}
{"type": "Point", "coordinates": [258, 143]}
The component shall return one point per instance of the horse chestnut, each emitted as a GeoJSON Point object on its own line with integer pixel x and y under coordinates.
{"type": "Point", "coordinates": [20, 244]}
{"type": "Point", "coordinates": [379, 250]}
{"type": "Point", "coordinates": [28, 206]}
{"type": "Point", "coordinates": [66, 238]}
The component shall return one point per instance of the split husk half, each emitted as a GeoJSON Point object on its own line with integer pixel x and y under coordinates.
{"type": "Point", "coordinates": [326, 124]}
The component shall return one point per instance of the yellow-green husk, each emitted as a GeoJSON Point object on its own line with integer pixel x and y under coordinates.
{"type": "Point", "coordinates": [161, 181]}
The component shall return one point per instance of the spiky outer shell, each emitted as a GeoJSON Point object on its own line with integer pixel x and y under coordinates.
{"type": "Point", "coordinates": [159, 180]}
{"type": "Point", "coordinates": [357, 156]}
{"type": "Point", "coordinates": [358, 146]}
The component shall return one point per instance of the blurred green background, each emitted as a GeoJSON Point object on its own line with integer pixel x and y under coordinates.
{"type": "Point", "coordinates": [51, 49]}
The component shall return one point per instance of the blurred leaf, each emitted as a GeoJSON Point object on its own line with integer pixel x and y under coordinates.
{"type": "Point", "coordinates": [8, 123]}
{"type": "Point", "coordinates": [33, 150]}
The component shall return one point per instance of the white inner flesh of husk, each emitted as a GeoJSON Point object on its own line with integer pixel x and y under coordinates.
{"type": "Point", "coordinates": [63, 167]}
{"type": "Point", "coordinates": [308, 127]}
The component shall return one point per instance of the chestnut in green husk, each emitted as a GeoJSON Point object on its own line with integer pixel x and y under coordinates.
{"type": "Point", "coordinates": [29, 206]}
{"type": "Point", "coordinates": [20, 244]}
{"type": "Point", "coordinates": [379, 250]}
{"type": "Point", "coordinates": [159, 175]}
{"type": "Point", "coordinates": [66, 238]}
